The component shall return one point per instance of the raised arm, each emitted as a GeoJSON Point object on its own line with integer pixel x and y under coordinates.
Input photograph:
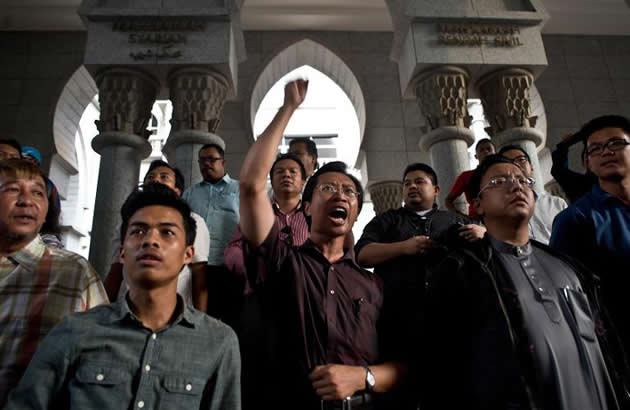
{"type": "Point", "coordinates": [255, 208]}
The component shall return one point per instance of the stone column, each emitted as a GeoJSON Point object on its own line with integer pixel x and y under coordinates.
{"type": "Point", "coordinates": [125, 98]}
{"type": "Point", "coordinates": [385, 195]}
{"type": "Point", "coordinates": [505, 96]}
{"type": "Point", "coordinates": [198, 96]}
{"type": "Point", "coordinates": [442, 96]}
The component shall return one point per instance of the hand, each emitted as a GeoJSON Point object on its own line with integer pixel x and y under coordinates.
{"type": "Point", "coordinates": [472, 232]}
{"type": "Point", "coordinates": [295, 93]}
{"type": "Point", "coordinates": [417, 244]}
{"type": "Point", "coordinates": [337, 381]}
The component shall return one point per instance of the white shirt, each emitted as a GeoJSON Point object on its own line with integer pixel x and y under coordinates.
{"type": "Point", "coordinates": [547, 207]}
{"type": "Point", "coordinates": [184, 281]}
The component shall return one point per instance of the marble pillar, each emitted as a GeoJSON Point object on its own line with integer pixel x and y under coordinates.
{"type": "Point", "coordinates": [385, 195]}
{"type": "Point", "coordinates": [125, 97]}
{"type": "Point", "coordinates": [506, 99]}
{"type": "Point", "coordinates": [198, 96]}
{"type": "Point", "coordinates": [442, 96]}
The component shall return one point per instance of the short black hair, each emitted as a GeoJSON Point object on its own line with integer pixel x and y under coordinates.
{"type": "Point", "coordinates": [483, 141]}
{"type": "Point", "coordinates": [474, 186]}
{"type": "Point", "coordinates": [12, 142]}
{"type": "Point", "coordinates": [155, 193]}
{"type": "Point", "coordinates": [179, 177]}
{"type": "Point", "coordinates": [514, 147]}
{"type": "Point", "coordinates": [335, 166]}
{"type": "Point", "coordinates": [215, 146]}
{"type": "Point", "coordinates": [292, 157]}
{"type": "Point", "coordinates": [311, 147]}
{"type": "Point", "coordinates": [599, 123]}
{"type": "Point", "coordinates": [419, 166]}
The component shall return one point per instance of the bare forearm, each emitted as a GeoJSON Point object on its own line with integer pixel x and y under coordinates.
{"type": "Point", "coordinates": [388, 375]}
{"type": "Point", "coordinates": [450, 204]}
{"type": "Point", "coordinates": [376, 253]}
{"type": "Point", "coordinates": [199, 286]}
{"type": "Point", "coordinates": [113, 281]}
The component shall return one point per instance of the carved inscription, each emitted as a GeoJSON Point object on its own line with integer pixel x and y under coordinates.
{"type": "Point", "coordinates": [493, 35]}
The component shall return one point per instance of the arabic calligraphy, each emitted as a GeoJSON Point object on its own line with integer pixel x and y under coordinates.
{"type": "Point", "coordinates": [162, 52]}
{"type": "Point", "coordinates": [495, 35]}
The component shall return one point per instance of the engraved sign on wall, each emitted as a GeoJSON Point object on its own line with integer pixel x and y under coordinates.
{"type": "Point", "coordinates": [492, 35]}
{"type": "Point", "coordinates": [164, 35]}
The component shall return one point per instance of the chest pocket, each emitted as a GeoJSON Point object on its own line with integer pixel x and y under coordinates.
{"type": "Point", "coordinates": [99, 385]}
{"type": "Point", "coordinates": [181, 392]}
{"type": "Point", "coordinates": [581, 312]}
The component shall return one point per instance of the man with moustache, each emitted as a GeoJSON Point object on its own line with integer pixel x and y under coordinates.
{"type": "Point", "coordinates": [150, 349]}
{"type": "Point", "coordinates": [325, 306]}
{"type": "Point", "coordinates": [38, 285]}
{"type": "Point", "coordinates": [508, 321]}
{"type": "Point", "coordinates": [215, 199]}
{"type": "Point", "coordinates": [596, 229]}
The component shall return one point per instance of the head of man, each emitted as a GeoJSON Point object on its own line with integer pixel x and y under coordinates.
{"type": "Point", "coordinates": [420, 187]}
{"type": "Point", "coordinates": [332, 200]}
{"type": "Point", "coordinates": [520, 157]}
{"type": "Point", "coordinates": [10, 149]}
{"type": "Point", "coordinates": [212, 163]}
{"type": "Point", "coordinates": [32, 155]}
{"type": "Point", "coordinates": [501, 191]}
{"type": "Point", "coordinates": [287, 175]}
{"type": "Point", "coordinates": [162, 173]}
{"type": "Point", "coordinates": [306, 150]}
{"type": "Point", "coordinates": [484, 148]}
{"type": "Point", "coordinates": [23, 201]}
{"type": "Point", "coordinates": [157, 235]}
{"type": "Point", "coordinates": [606, 140]}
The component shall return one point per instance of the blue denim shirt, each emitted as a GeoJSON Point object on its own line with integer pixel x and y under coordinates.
{"type": "Point", "coordinates": [218, 206]}
{"type": "Point", "coordinates": [106, 359]}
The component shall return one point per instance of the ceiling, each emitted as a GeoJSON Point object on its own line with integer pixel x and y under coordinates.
{"type": "Point", "coordinates": [589, 17]}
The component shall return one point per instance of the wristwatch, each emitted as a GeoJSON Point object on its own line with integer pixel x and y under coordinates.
{"type": "Point", "coordinates": [370, 381]}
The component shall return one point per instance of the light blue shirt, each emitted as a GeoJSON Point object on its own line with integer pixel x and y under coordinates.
{"type": "Point", "coordinates": [218, 206]}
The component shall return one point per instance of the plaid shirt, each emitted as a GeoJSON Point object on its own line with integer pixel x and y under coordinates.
{"type": "Point", "coordinates": [38, 287]}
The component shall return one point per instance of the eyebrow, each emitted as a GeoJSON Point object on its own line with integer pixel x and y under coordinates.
{"type": "Point", "coordinates": [142, 224]}
{"type": "Point", "coordinates": [17, 180]}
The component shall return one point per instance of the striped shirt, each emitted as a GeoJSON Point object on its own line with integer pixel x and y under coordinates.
{"type": "Point", "coordinates": [38, 287]}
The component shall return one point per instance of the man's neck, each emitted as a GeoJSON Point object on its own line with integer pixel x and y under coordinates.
{"type": "Point", "coordinates": [9, 245]}
{"type": "Point", "coordinates": [620, 189]}
{"type": "Point", "coordinates": [214, 181]}
{"type": "Point", "coordinates": [514, 232]}
{"type": "Point", "coordinates": [287, 202]}
{"type": "Point", "coordinates": [418, 208]}
{"type": "Point", "coordinates": [156, 307]}
{"type": "Point", "coordinates": [330, 247]}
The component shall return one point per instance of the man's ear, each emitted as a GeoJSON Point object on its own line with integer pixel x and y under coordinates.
{"type": "Point", "coordinates": [188, 254]}
{"type": "Point", "coordinates": [476, 204]}
{"type": "Point", "coordinates": [307, 208]}
{"type": "Point", "coordinates": [437, 190]}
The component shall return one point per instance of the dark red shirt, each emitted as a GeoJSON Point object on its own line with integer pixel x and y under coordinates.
{"type": "Point", "coordinates": [323, 312]}
{"type": "Point", "coordinates": [461, 187]}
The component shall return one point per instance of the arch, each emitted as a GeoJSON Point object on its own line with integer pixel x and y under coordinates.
{"type": "Point", "coordinates": [77, 94]}
{"type": "Point", "coordinates": [311, 53]}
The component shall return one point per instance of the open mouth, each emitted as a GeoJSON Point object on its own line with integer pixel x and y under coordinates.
{"type": "Point", "coordinates": [25, 218]}
{"type": "Point", "coordinates": [338, 215]}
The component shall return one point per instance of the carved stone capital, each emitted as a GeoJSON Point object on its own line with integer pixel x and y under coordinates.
{"type": "Point", "coordinates": [442, 95]}
{"type": "Point", "coordinates": [385, 195]}
{"type": "Point", "coordinates": [506, 100]}
{"type": "Point", "coordinates": [125, 97]}
{"type": "Point", "coordinates": [198, 96]}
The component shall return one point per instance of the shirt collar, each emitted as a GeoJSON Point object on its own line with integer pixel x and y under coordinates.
{"type": "Point", "coordinates": [600, 196]}
{"type": "Point", "coordinates": [277, 210]}
{"type": "Point", "coordinates": [504, 247]}
{"type": "Point", "coordinates": [30, 255]}
{"type": "Point", "coordinates": [122, 311]}
{"type": "Point", "coordinates": [348, 256]}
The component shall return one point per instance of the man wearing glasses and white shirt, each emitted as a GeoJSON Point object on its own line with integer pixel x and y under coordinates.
{"type": "Point", "coordinates": [596, 229]}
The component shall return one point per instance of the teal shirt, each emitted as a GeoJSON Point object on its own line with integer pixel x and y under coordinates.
{"type": "Point", "coordinates": [218, 206]}
{"type": "Point", "coordinates": [106, 359]}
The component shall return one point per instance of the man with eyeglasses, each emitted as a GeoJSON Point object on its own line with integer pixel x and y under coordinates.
{"type": "Point", "coordinates": [216, 200]}
{"type": "Point", "coordinates": [547, 205]}
{"type": "Point", "coordinates": [508, 321]}
{"type": "Point", "coordinates": [323, 307]}
{"type": "Point", "coordinates": [596, 229]}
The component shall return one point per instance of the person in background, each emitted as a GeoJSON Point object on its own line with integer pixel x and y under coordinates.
{"type": "Point", "coordinates": [547, 205]}
{"type": "Point", "coordinates": [38, 285]}
{"type": "Point", "coordinates": [10, 149]}
{"type": "Point", "coordinates": [191, 282]}
{"type": "Point", "coordinates": [484, 148]}
{"type": "Point", "coordinates": [149, 349]}
{"type": "Point", "coordinates": [306, 150]}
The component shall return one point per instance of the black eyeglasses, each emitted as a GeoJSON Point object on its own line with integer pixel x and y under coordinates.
{"type": "Point", "coordinates": [211, 160]}
{"type": "Point", "coordinates": [616, 144]}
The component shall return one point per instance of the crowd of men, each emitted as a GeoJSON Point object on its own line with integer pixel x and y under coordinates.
{"type": "Point", "coordinates": [227, 295]}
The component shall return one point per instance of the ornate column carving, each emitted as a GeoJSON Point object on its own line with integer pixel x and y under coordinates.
{"type": "Point", "coordinates": [506, 100]}
{"type": "Point", "coordinates": [442, 96]}
{"type": "Point", "coordinates": [385, 195]}
{"type": "Point", "coordinates": [198, 96]}
{"type": "Point", "coordinates": [126, 98]}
